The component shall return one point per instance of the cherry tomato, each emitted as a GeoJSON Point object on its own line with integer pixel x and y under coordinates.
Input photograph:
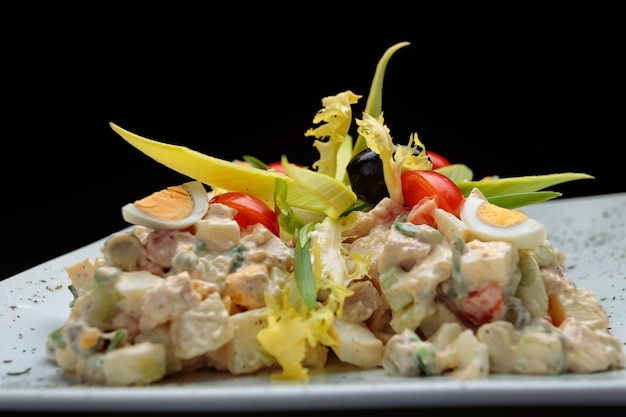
{"type": "Point", "coordinates": [437, 160]}
{"type": "Point", "coordinates": [418, 184]}
{"type": "Point", "coordinates": [250, 210]}
{"type": "Point", "coordinates": [278, 166]}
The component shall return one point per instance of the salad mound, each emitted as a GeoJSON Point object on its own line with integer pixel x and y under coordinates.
{"type": "Point", "coordinates": [380, 255]}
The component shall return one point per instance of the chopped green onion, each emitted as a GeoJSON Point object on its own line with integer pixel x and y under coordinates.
{"type": "Point", "coordinates": [57, 339]}
{"type": "Point", "coordinates": [118, 337]}
{"type": "Point", "coordinates": [255, 162]}
{"type": "Point", "coordinates": [426, 359]}
{"type": "Point", "coordinates": [516, 192]}
{"type": "Point", "coordinates": [513, 201]}
{"type": "Point", "coordinates": [516, 185]}
{"type": "Point", "coordinates": [374, 104]}
{"type": "Point", "coordinates": [457, 172]}
{"type": "Point", "coordinates": [305, 279]}
{"type": "Point", "coordinates": [74, 292]}
{"type": "Point", "coordinates": [458, 248]}
{"type": "Point", "coordinates": [288, 219]}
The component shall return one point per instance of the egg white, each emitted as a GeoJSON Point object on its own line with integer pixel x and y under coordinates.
{"type": "Point", "coordinates": [527, 234]}
{"type": "Point", "coordinates": [132, 214]}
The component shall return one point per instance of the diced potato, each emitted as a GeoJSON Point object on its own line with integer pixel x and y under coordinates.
{"type": "Point", "coordinates": [131, 286]}
{"type": "Point", "coordinates": [243, 353]}
{"type": "Point", "coordinates": [490, 262]}
{"type": "Point", "coordinates": [316, 357]}
{"type": "Point", "coordinates": [81, 274]}
{"type": "Point", "coordinates": [472, 357]}
{"type": "Point", "coordinates": [356, 344]}
{"type": "Point", "coordinates": [66, 358]}
{"type": "Point", "coordinates": [139, 364]}
{"type": "Point", "coordinates": [590, 350]}
{"type": "Point", "coordinates": [582, 305]}
{"type": "Point", "coordinates": [534, 350]}
{"type": "Point", "coordinates": [451, 350]}
{"type": "Point", "coordinates": [204, 327]}
{"type": "Point", "coordinates": [218, 233]}
{"type": "Point", "coordinates": [441, 314]}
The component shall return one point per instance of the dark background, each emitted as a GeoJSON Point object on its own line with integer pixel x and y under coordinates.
{"type": "Point", "coordinates": [507, 92]}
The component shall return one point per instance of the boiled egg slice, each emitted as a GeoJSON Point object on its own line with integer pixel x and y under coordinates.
{"type": "Point", "coordinates": [175, 207]}
{"type": "Point", "coordinates": [489, 222]}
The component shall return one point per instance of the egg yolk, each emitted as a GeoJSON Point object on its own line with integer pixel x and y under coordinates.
{"type": "Point", "coordinates": [499, 216]}
{"type": "Point", "coordinates": [172, 203]}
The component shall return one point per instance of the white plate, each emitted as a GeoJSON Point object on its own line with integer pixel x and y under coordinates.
{"type": "Point", "coordinates": [589, 230]}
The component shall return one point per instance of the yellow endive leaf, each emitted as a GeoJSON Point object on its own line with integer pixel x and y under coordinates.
{"type": "Point", "coordinates": [333, 194]}
{"type": "Point", "coordinates": [219, 173]}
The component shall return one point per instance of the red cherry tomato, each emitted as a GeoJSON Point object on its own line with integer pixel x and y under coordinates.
{"type": "Point", "coordinates": [250, 210]}
{"type": "Point", "coordinates": [276, 166]}
{"type": "Point", "coordinates": [437, 160]}
{"type": "Point", "coordinates": [418, 184]}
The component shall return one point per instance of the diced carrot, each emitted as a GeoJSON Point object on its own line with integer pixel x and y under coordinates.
{"type": "Point", "coordinates": [556, 311]}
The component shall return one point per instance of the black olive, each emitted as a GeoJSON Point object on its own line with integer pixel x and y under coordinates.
{"type": "Point", "coordinates": [365, 172]}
